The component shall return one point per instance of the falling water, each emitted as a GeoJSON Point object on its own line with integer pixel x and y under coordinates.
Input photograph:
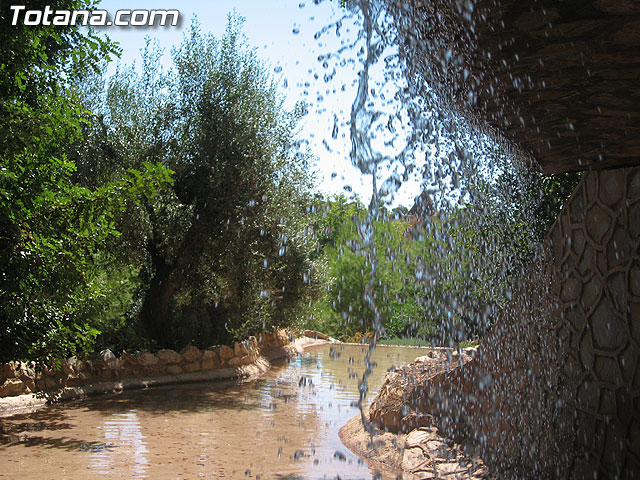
{"type": "Point", "coordinates": [402, 127]}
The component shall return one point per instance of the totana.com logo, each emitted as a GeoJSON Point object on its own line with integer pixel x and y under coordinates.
{"type": "Point", "coordinates": [96, 18]}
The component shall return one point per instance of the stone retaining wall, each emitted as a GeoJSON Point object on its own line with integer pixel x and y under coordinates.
{"type": "Point", "coordinates": [20, 378]}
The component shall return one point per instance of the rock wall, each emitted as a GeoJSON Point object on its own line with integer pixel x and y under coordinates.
{"type": "Point", "coordinates": [554, 390]}
{"type": "Point", "coordinates": [19, 378]}
{"type": "Point", "coordinates": [596, 248]}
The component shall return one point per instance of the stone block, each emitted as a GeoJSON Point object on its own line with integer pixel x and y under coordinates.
{"type": "Point", "coordinates": [225, 353]}
{"type": "Point", "coordinates": [174, 370]}
{"type": "Point", "coordinates": [13, 386]}
{"type": "Point", "coordinates": [235, 362]}
{"type": "Point", "coordinates": [147, 359]}
{"type": "Point", "coordinates": [108, 358]}
{"type": "Point", "coordinates": [240, 349]}
{"type": "Point", "coordinates": [191, 353]}
{"type": "Point", "coordinates": [169, 357]}
{"type": "Point", "coordinates": [192, 367]}
{"type": "Point", "coordinates": [210, 360]}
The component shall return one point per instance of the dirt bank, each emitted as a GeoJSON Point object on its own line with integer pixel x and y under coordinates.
{"type": "Point", "coordinates": [417, 449]}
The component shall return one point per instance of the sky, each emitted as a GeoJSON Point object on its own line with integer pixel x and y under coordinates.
{"type": "Point", "coordinates": [283, 32]}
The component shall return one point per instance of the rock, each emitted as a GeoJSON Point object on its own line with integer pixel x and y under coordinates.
{"type": "Point", "coordinates": [282, 337]}
{"type": "Point", "coordinates": [253, 344]}
{"type": "Point", "coordinates": [68, 366]}
{"type": "Point", "coordinates": [225, 353]}
{"type": "Point", "coordinates": [8, 371]}
{"type": "Point", "coordinates": [106, 373]}
{"type": "Point", "coordinates": [192, 367]}
{"type": "Point", "coordinates": [191, 353]}
{"type": "Point", "coordinates": [174, 370]}
{"type": "Point", "coordinates": [153, 370]}
{"type": "Point", "coordinates": [266, 340]}
{"type": "Point", "coordinates": [13, 386]}
{"type": "Point", "coordinates": [127, 360]}
{"type": "Point", "coordinates": [244, 360]}
{"type": "Point", "coordinates": [52, 382]}
{"type": "Point", "coordinates": [210, 360]}
{"type": "Point", "coordinates": [29, 381]}
{"type": "Point", "coordinates": [84, 369]}
{"type": "Point", "coordinates": [427, 454]}
{"type": "Point", "coordinates": [315, 335]}
{"type": "Point", "coordinates": [235, 362]}
{"type": "Point", "coordinates": [147, 359]}
{"type": "Point", "coordinates": [50, 368]}
{"type": "Point", "coordinates": [210, 364]}
{"type": "Point", "coordinates": [170, 357]}
{"type": "Point", "coordinates": [210, 355]}
{"type": "Point", "coordinates": [108, 358]}
{"type": "Point", "coordinates": [240, 349]}
{"type": "Point", "coordinates": [74, 381]}
{"type": "Point", "coordinates": [413, 391]}
{"type": "Point", "coordinates": [125, 369]}
{"type": "Point", "coordinates": [415, 420]}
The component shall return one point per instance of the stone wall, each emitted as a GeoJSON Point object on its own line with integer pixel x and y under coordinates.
{"type": "Point", "coordinates": [596, 248]}
{"type": "Point", "coordinates": [554, 389]}
{"type": "Point", "coordinates": [19, 378]}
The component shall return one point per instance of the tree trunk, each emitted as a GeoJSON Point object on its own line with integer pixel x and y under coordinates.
{"type": "Point", "coordinates": [154, 314]}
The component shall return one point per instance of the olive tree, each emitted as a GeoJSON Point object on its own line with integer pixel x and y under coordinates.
{"type": "Point", "coordinates": [227, 247]}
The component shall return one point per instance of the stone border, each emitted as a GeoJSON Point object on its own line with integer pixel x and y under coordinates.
{"type": "Point", "coordinates": [246, 359]}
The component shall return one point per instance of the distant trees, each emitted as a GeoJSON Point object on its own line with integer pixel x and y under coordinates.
{"type": "Point", "coordinates": [397, 292]}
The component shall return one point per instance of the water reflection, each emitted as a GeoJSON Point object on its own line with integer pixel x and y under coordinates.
{"type": "Point", "coordinates": [124, 446]}
{"type": "Point", "coordinates": [283, 425]}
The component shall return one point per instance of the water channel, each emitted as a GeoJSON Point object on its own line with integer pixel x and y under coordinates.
{"type": "Point", "coordinates": [283, 425]}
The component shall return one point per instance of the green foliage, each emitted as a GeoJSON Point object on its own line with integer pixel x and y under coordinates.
{"type": "Point", "coordinates": [51, 228]}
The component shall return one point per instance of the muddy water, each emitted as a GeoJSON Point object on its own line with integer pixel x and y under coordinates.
{"type": "Point", "coordinates": [283, 425]}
